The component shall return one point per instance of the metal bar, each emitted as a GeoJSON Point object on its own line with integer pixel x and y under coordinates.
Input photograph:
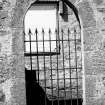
{"type": "Point", "coordinates": [51, 40]}
{"type": "Point", "coordinates": [30, 47]}
{"type": "Point", "coordinates": [43, 33]}
{"type": "Point", "coordinates": [57, 37]}
{"type": "Point", "coordinates": [36, 33]}
{"type": "Point", "coordinates": [62, 79]}
{"type": "Point", "coordinates": [60, 69]}
{"type": "Point", "coordinates": [76, 63]}
{"type": "Point", "coordinates": [51, 64]}
{"type": "Point", "coordinates": [63, 66]}
{"type": "Point", "coordinates": [49, 2]}
{"type": "Point", "coordinates": [41, 54]}
{"type": "Point", "coordinates": [70, 65]}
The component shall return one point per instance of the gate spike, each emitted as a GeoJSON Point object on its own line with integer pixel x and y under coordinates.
{"type": "Point", "coordinates": [43, 31]}
{"type": "Point", "coordinates": [49, 31]}
{"type": "Point", "coordinates": [29, 32]}
{"type": "Point", "coordinates": [68, 30]}
{"type": "Point", "coordinates": [56, 31]}
{"type": "Point", "coordinates": [74, 30]}
{"type": "Point", "coordinates": [62, 31]}
{"type": "Point", "coordinates": [36, 31]}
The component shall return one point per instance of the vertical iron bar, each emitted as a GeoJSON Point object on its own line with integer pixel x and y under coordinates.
{"type": "Point", "coordinates": [57, 49]}
{"type": "Point", "coordinates": [36, 33]}
{"type": "Point", "coordinates": [63, 67]}
{"type": "Point", "coordinates": [43, 33]}
{"type": "Point", "coordinates": [51, 63]}
{"type": "Point", "coordinates": [76, 62]}
{"type": "Point", "coordinates": [30, 48]}
{"type": "Point", "coordinates": [70, 64]}
{"type": "Point", "coordinates": [31, 81]}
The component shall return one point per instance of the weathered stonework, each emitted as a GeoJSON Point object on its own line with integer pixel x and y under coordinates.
{"type": "Point", "coordinates": [92, 39]}
{"type": "Point", "coordinates": [94, 55]}
{"type": "Point", "coordinates": [12, 78]}
{"type": "Point", "coordinates": [98, 2]}
{"type": "Point", "coordinates": [87, 14]}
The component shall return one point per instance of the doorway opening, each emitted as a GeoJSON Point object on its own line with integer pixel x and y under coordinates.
{"type": "Point", "coordinates": [52, 58]}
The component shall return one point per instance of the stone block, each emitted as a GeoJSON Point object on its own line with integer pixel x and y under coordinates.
{"type": "Point", "coordinates": [18, 92]}
{"type": "Point", "coordinates": [90, 101]}
{"type": "Point", "coordinates": [101, 10]}
{"type": "Point", "coordinates": [5, 92]}
{"type": "Point", "coordinates": [6, 41]}
{"type": "Point", "coordinates": [6, 67]}
{"type": "Point", "coordinates": [92, 39]}
{"type": "Point", "coordinates": [3, 14]}
{"type": "Point", "coordinates": [18, 41]}
{"type": "Point", "coordinates": [95, 89]}
{"type": "Point", "coordinates": [20, 71]}
{"type": "Point", "coordinates": [0, 47]}
{"type": "Point", "coordinates": [100, 86]}
{"type": "Point", "coordinates": [86, 14]}
{"type": "Point", "coordinates": [1, 6]}
{"type": "Point", "coordinates": [93, 101]}
{"type": "Point", "coordinates": [2, 96]}
{"type": "Point", "coordinates": [98, 2]}
{"type": "Point", "coordinates": [90, 83]}
{"type": "Point", "coordinates": [94, 62]}
{"type": "Point", "coordinates": [5, 31]}
{"type": "Point", "coordinates": [17, 18]}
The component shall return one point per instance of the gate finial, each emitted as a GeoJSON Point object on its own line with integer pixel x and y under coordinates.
{"type": "Point", "coordinates": [29, 31]}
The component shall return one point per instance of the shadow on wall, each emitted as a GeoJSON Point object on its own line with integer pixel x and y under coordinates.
{"type": "Point", "coordinates": [74, 10]}
{"type": "Point", "coordinates": [2, 96]}
{"type": "Point", "coordinates": [35, 93]}
{"type": "Point", "coordinates": [65, 13]}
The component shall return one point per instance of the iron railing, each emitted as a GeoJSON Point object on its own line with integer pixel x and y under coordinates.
{"type": "Point", "coordinates": [41, 41]}
{"type": "Point", "coordinates": [55, 58]}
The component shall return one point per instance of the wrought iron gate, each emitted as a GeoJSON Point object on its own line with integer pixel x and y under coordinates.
{"type": "Point", "coordinates": [53, 67]}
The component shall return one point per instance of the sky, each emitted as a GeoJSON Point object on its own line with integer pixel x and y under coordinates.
{"type": "Point", "coordinates": [41, 17]}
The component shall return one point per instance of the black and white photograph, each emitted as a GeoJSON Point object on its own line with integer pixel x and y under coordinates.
{"type": "Point", "coordinates": [52, 52]}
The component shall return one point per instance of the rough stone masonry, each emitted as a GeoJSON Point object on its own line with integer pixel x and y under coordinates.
{"type": "Point", "coordinates": [12, 76]}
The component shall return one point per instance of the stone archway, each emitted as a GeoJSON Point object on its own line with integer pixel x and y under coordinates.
{"type": "Point", "coordinates": [17, 25]}
{"type": "Point", "coordinates": [88, 24]}
{"type": "Point", "coordinates": [92, 18]}
{"type": "Point", "coordinates": [14, 60]}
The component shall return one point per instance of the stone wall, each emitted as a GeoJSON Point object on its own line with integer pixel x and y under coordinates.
{"type": "Point", "coordinates": [12, 82]}
{"type": "Point", "coordinates": [92, 19]}
{"type": "Point", "coordinates": [12, 78]}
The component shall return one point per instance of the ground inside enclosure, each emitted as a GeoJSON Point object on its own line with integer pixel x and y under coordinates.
{"type": "Point", "coordinates": [36, 94]}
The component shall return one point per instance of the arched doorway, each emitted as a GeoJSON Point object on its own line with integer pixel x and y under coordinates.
{"type": "Point", "coordinates": [52, 58]}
